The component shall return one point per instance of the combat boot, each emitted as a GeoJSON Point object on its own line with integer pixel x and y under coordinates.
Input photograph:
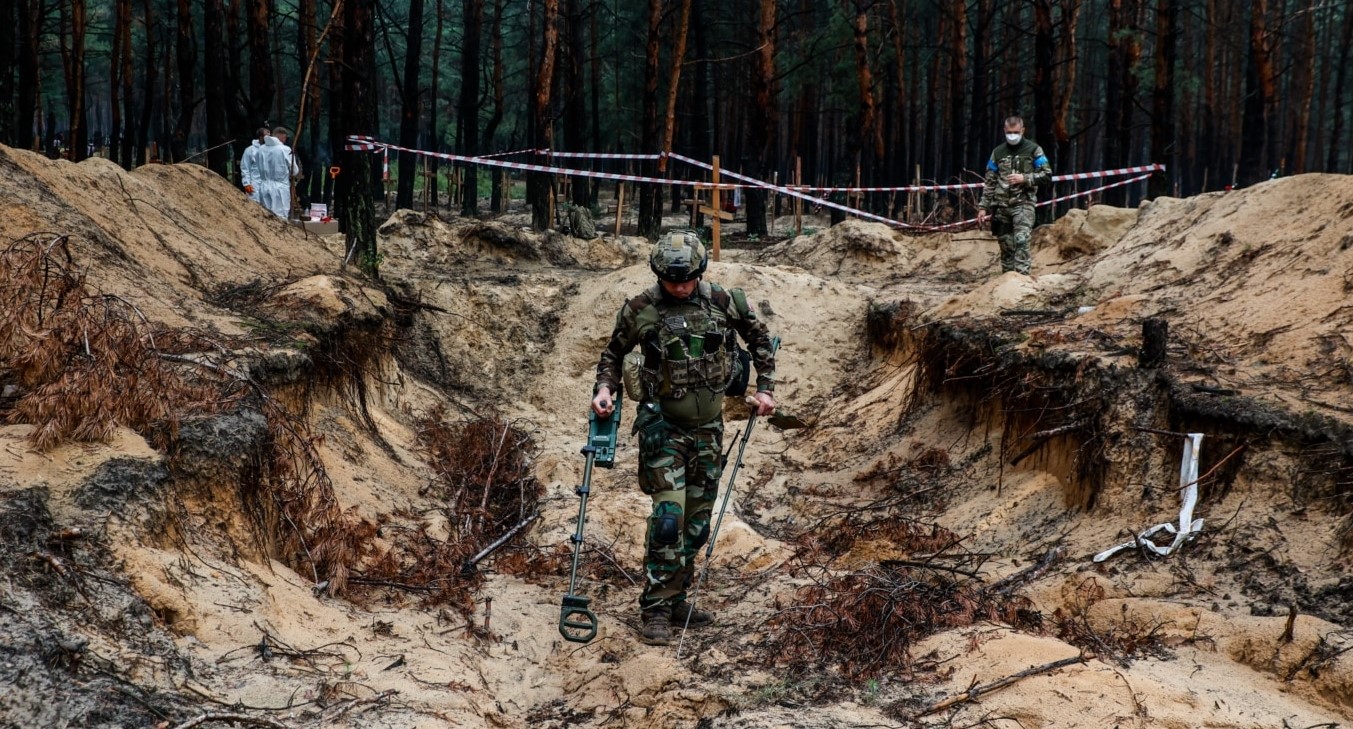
{"type": "Point", "coordinates": [697, 617]}
{"type": "Point", "coordinates": [657, 626]}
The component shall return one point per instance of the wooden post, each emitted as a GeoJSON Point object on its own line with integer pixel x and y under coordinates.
{"type": "Point", "coordinates": [619, 208]}
{"type": "Point", "coordinates": [798, 201]}
{"type": "Point", "coordinates": [774, 198]}
{"type": "Point", "coordinates": [718, 208]}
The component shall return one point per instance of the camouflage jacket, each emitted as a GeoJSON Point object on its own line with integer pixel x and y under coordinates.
{"type": "Point", "coordinates": [661, 325]}
{"type": "Point", "coordinates": [1026, 158]}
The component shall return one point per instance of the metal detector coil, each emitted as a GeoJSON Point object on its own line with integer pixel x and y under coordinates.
{"type": "Point", "coordinates": [577, 623]}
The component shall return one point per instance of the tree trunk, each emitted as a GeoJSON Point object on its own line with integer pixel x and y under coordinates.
{"type": "Point", "coordinates": [1337, 143]}
{"type": "Point", "coordinates": [121, 19]}
{"type": "Point", "coordinates": [1163, 98]}
{"type": "Point", "coordinates": [650, 195]}
{"type": "Point", "coordinates": [1301, 92]}
{"type": "Point", "coordinates": [358, 114]}
{"type": "Point", "coordinates": [216, 90]}
{"type": "Point", "coordinates": [1061, 132]}
{"type": "Point", "coordinates": [148, 96]}
{"type": "Point", "coordinates": [75, 18]}
{"type": "Point", "coordinates": [185, 52]}
{"type": "Point", "coordinates": [762, 121]}
{"type": "Point", "coordinates": [434, 137]}
{"type": "Point", "coordinates": [540, 185]}
{"type": "Point", "coordinates": [575, 96]}
{"type": "Point", "coordinates": [410, 107]}
{"type": "Point", "coordinates": [26, 103]}
{"type": "Point", "coordinates": [1121, 92]}
{"type": "Point", "coordinates": [9, 33]}
{"type": "Point", "coordinates": [1256, 159]}
{"type": "Point", "coordinates": [124, 138]}
{"type": "Point", "coordinates": [469, 101]}
{"type": "Point", "coordinates": [496, 202]}
{"type": "Point", "coordinates": [958, 79]}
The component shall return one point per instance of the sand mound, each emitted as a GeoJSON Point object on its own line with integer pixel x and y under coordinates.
{"type": "Point", "coordinates": [429, 240]}
{"type": "Point", "coordinates": [1081, 232]}
{"type": "Point", "coordinates": [162, 236]}
{"type": "Point", "coordinates": [859, 250]}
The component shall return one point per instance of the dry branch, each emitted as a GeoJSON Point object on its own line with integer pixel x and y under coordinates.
{"type": "Point", "coordinates": [244, 719]}
{"type": "Point", "coordinates": [977, 692]}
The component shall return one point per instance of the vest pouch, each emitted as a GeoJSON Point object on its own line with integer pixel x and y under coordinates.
{"type": "Point", "coordinates": [651, 427]}
{"type": "Point", "coordinates": [742, 373]}
{"type": "Point", "coordinates": [632, 376]}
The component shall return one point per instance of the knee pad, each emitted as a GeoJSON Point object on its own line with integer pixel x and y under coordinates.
{"type": "Point", "coordinates": [667, 529]}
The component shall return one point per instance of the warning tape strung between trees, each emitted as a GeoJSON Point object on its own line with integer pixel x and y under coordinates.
{"type": "Point", "coordinates": [363, 144]}
{"type": "Point", "coordinates": [809, 188]}
{"type": "Point", "coordinates": [360, 143]}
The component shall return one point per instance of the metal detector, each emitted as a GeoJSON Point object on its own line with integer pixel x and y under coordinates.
{"type": "Point", "coordinates": [576, 622]}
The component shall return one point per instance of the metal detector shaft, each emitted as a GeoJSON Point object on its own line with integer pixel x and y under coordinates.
{"type": "Point", "coordinates": [718, 521]}
{"type": "Point", "coordinates": [577, 623]}
{"type": "Point", "coordinates": [583, 492]}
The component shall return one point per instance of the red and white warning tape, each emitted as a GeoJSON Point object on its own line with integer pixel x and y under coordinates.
{"type": "Point", "coordinates": [360, 143]}
{"type": "Point", "coordinates": [357, 143]}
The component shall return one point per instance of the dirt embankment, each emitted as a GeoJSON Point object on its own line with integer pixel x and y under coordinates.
{"type": "Point", "coordinates": [966, 426]}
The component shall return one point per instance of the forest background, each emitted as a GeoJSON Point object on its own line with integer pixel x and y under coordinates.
{"type": "Point", "coordinates": [868, 92]}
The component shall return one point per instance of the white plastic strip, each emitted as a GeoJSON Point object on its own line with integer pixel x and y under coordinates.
{"type": "Point", "coordinates": [1188, 526]}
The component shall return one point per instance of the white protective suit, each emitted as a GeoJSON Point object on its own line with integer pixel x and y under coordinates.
{"type": "Point", "coordinates": [249, 168]}
{"type": "Point", "coordinates": [276, 166]}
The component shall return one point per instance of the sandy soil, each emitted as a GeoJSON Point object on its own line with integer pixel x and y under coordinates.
{"type": "Point", "coordinates": [512, 322]}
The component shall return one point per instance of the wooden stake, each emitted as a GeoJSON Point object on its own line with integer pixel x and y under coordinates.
{"type": "Point", "coordinates": [774, 198]}
{"type": "Point", "coordinates": [620, 209]}
{"type": "Point", "coordinates": [714, 219]}
{"type": "Point", "coordinates": [798, 201]}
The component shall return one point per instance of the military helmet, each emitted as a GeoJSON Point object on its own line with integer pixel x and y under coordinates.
{"type": "Point", "coordinates": [679, 257]}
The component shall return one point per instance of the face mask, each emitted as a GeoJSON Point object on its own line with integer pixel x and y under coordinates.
{"type": "Point", "coordinates": [1013, 139]}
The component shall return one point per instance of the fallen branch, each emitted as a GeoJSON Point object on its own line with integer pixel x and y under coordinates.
{"type": "Point", "coordinates": [244, 719]}
{"type": "Point", "coordinates": [976, 692]}
{"type": "Point", "coordinates": [1010, 583]}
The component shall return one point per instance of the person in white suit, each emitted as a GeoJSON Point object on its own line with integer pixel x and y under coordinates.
{"type": "Point", "coordinates": [276, 167]}
{"type": "Point", "coordinates": [249, 164]}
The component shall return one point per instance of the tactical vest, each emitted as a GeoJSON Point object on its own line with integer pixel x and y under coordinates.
{"type": "Point", "coordinates": [685, 359]}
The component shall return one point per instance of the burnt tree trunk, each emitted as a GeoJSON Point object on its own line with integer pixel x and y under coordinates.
{"type": "Point", "coordinates": [540, 185]}
{"type": "Point", "coordinates": [185, 56]}
{"type": "Point", "coordinates": [148, 94]}
{"type": "Point", "coordinates": [75, 18]}
{"type": "Point", "coordinates": [1163, 97]}
{"type": "Point", "coordinates": [1257, 128]}
{"type": "Point", "coordinates": [575, 96]}
{"type": "Point", "coordinates": [435, 98]}
{"type": "Point", "coordinates": [1337, 144]}
{"type": "Point", "coordinates": [26, 96]}
{"type": "Point", "coordinates": [650, 195]}
{"type": "Point", "coordinates": [411, 104]}
{"type": "Point", "coordinates": [216, 91]}
{"type": "Point", "coordinates": [470, 62]}
{"type": "Point", "coordinates": [762, 122]}
{"type": "Point", "coordinates": [496, 202]}
{"type": "Point", "coordinates": [357, 114]}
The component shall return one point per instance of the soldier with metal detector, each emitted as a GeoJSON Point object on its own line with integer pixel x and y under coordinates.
{"type": "Point", "coordinates": [687, 360]}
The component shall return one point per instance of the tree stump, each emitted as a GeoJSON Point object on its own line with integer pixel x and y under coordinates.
{"type": "Point", "coordinates": [1155, 334]}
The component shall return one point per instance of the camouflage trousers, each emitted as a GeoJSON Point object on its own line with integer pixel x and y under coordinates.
{"type": "Point", "coordinates": [681, 474]}
{"type": "Point", "coordinates": [1013, 226]}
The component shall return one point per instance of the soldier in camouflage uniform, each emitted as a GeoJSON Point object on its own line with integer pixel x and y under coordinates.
{"type": "Point", "coordinates": [1014, 172]}
{"type": "Point", "coordinates": [685, 330]}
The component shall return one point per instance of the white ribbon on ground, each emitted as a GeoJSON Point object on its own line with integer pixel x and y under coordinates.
{"type": "Point", "coordinates": [1188, 526]}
